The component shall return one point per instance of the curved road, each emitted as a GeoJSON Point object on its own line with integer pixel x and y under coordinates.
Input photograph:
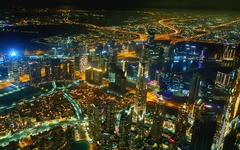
{"type": "Point", "coordinates": [47, 125]}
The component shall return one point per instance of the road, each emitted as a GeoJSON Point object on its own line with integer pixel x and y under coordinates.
{"type": "Point", "coordinates": [73, 102]}
{"type": "Point", "coordinates": [47, 125]}
{"type": "Point", "coordinates": [76, 107]}
{"type": "Point", "coordinates": [35, 130]}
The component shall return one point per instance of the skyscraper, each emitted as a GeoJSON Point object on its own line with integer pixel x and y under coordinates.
{"type": "Point", "coordinates": [231, 107]}
{"type": "Point", "coordinates": [55, 68]}
{"type": "Point", "coordinates": [203, 131]}
{"type": "Point", "coordinates": [124, 129]}
{"type": "Point", "coordinates": [94, 76]}
{"type": "Point", "coordinates": [194, 88]}
{"type": "Point", "coordinates": [3, 72]}
{"type": "Point", "coordinates": [229, 55]}
{"type": "Point", "coordinates": [141, 87]}
{"type": "Point", "coordinates": [230, 141]}
{"type": "Point", "coordinates": [110, 118]}
{"type": "Point", "coordinates": [67, 70]}
{"type": "Point", "coordinates": [158, 118]}
{"type": "Point", "coordinates": [35, 72]}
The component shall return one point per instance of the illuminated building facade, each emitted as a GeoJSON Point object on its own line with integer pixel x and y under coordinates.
{"type": "Point", "coordinates": [124, 130]}
{"type": "Point", "coordinates": [141, 87]}
{"type": "Point", "coordinates": [158, 119]}
{"type": "Point", "coordinates": [223, 79]}
{"type": "Point", "coordinates": [182, 123]}
{"type": "Point", "coordinates": [231, 108]}
{"type": "Point", "coordinates": [232, 139]}
{"type": "Point", "coordinates": [109, 124]}
{"type": "Point", "coordinates": [81, 63]}
{"type": "Point", "coordinates": [194, 88]}
{"type": "Point", "coordinates": [94, 76]}
{"type": "Point", "coordinates": [229, 55]}
{"type": "Point", "coordinates": [55, 68]}
{"type": "Point", "coordinates": [68, 70]}
{"type": "Point", "coordinates": [35, 72]}
{"type": "Point", "coordinates": [117, 79]}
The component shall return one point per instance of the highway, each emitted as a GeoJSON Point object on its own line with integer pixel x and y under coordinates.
{"type": "Point", "coordinates": [41, 127]}
{"type": "Point", "coordinates": [36, 129]}
{"type": "Point", "coordinates": [75, 106]}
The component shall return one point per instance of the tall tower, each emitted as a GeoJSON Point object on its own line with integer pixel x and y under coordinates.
{"type": "Point", "coordinates": [124, 128]}
{"type": "Point", "coordinates": [231, 141]}
{"type": "Point", "coordinates": [95, 124]}
{"type": "Point", "coordinates": [203, 131]}
{"type": "Point", "coordinates": [232, 109]}
{"type": "Point", "coordinates": [56, 68]}
{"type": "Point", "coordinates": [141, 89]}
{"type": "Point", "coordinates": [194, 88]}
{"type": "Point", "coordinates": [229, 55]}
{"type": "Point", "coordinates": [182, 122]}
{"type": "Point", "coordinates": [151, 36]}
{"type": "Point", "coordinates": [110, 118]}
{"type": "Point", "coordinates": [35, 72]}
{"type": "Point", "coordinates": [158, 119]}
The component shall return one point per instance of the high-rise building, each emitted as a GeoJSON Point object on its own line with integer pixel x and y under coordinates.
{"type": "Point", "coordinates": [81, 63]}
{"type": "Point", "coordinates": [182, 122]}
{"type": "Point", "coordinates": [232, 109]}
{"type": "Point", "coordinates": [3, 72]}
{"type": "Point", "coordinates": [231, 141]}
{"type": "Point", "coordinates": [116, 76]}
{"type": "Point", "coordinates": [48, 71]}
{"type": "Point", "coordinates": [158, 119]}
{"type": "Point", "coordinates": [15, 71]}
{"type": "Point", "coordinates": [77, 63]}
{"type": "Point", "coordinates": [203, 131]}
{"type": "Point", "coordinates": [117, 79]}
{"type": "Point", "coordinates": [95, 124]}
{"type": "Point", "coordinates": [151, 36]}
{"type": "Point", "coordinates": [109, 124]}
{"type": "Point", "coordinates": [229, 55]}
{"type": "Point", "coordinates": [67, 69]}
{"type": "Point", "coordinates": [194, 88]}
{"type": "Point", "coordinates": [223, 79]}
{"type": "Point", "coordinates": [35, 72]}
{"type": "Point", "coordinates": [141, 88]}
{"type": "Point", "coordinates": [124, 130]}
{"type": "Point", "coordinates": [55, 68]}
{"type": "Point", "coordinates": [94, 76]}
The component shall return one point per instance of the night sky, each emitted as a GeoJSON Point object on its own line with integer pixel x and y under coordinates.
{"type": "Point", "coordinates": [126, 4]}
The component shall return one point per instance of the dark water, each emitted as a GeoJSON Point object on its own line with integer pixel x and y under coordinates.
{"type": "Point", "coordinates": [26, 93]}
{"type": "Point", "coordinates": [21, 38]}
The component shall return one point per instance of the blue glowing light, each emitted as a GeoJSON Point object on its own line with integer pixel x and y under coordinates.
{"type": "Point", "coordinates": [13, 53]}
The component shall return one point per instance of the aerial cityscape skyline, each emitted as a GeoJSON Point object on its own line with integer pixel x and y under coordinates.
{"type": "Point", "coordinates": [120, 79]}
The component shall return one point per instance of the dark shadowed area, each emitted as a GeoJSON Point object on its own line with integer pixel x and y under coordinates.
{"type": "Point", "coordinates": [127, 4]}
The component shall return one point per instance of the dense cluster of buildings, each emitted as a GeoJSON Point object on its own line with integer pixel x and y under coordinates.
{"type": "Point", "coordinates": [160, 99]}
{"type": "Point", "coordinates": [28, 114]}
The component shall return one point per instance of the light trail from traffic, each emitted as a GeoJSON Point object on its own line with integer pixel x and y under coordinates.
{"type": "Point", "coordinates": [35, 130]}
{"type": "Point", "coordinates": [41, 127]}
{"type": "Point", "coordinates": [75, 106]}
